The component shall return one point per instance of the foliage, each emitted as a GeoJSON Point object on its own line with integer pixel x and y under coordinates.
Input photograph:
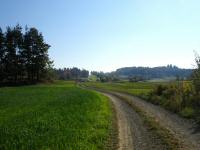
{"type": "Point", "coordinates": [105, 77]}
{"type": "Point", "coordinates": [196, 83]}
{"type": "Point", "coordinates": [136, 74]}
{"type": "Point", "coordinates": [53, 116]}
{"type": "Point", "coordinates": [151, 73]}
{"type": "Point", "coordinates": [182, 97]}
{"type": "Point", "coordinates": [196, 75]}
{"type": "Point", "coordinates": [175, 96]}
{"type": "Point", "coordinates": [71, 73]}
{"type": "Point", "coordinates": [187, 112]}
{"type": "Point", "coordinates": [23, 56]}
{"type": "Point", "coordinates": [135, 88]}
{"type": "Point", "coordinates": [92, 78]}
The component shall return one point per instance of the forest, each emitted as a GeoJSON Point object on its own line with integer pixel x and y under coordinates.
{"type": "Point", "coordinates": [155, 72]}
{"type": "Point", "coordinates": [71, 73]}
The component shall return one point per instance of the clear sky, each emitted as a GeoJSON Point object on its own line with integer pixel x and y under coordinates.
{"type": "Point", "coordinates": [109, 34]}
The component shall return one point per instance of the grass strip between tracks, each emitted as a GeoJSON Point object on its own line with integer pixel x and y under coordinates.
{"type": "Point", "coordinates": [165, 135]}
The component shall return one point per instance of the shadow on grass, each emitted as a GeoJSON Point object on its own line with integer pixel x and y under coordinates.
{"type": "Point", "coordinates": [14, 84]}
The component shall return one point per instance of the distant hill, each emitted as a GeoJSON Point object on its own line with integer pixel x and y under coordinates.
{"type": "Point", "coordinates": [152, 73]}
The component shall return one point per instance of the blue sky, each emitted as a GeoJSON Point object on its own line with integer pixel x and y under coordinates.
{"type": "Point", "coordinates": [109, 34]}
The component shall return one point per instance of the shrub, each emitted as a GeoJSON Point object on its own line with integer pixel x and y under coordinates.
{"type": "Point", "coordinates": [159, 90]}
{"type": "Point", "coordinates": [174, 103]}
{"type": "Point", "coordinates": [187, 112]}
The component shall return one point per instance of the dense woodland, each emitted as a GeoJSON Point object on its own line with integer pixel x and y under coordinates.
{"type": "Point", "coordinates": [151, 73]}
{"type": "Point", "coordinates": [135, 74]}
{"type": "Point", "coordinates": [71, 73]}
{"type": "Point", "coordinates": [23, 56]}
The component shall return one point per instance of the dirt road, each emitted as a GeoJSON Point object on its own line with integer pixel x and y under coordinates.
{"type": "Point", "coordinates": [133, 135]}
{"type": "Point", "coordinates": [183, 129]}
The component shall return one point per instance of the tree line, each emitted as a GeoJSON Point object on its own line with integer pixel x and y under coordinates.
{"type": "Point", "coordinates": [71, 73]}
{"type": "Point", "coordinates": [105, 77]}
{"type": "Point", "coordinates": [182, 97]}
{"type": "Point", "coordinates": [147, 73]}
{"type": "Point", "coordinates": [23, 55]}
{"type": "Point", "coordinates": [136, 74]}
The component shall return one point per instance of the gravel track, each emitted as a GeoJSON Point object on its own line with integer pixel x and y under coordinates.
{"type": "Point", "coordinates": [133, 135]}
{"type": "Point", "coordinates": [183, 129]}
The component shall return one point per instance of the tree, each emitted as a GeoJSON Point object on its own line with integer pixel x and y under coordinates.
{"type": "Point", "coordinates": [84, 73]}
{"type": "Point", "coordinates": [196, 74]}
{"type": "Point", "coordinates": [35, 55]}
{"type": "Point", "coordinates": [23, 56]}
{"type": "Point", "coordinates": [13, 44]}
{"type": "Point", "coordinates": [2, 55]}
{"type": "Point", "coordinates": [75, 72]}
{"type": "Point", "coordinates": [71, 73]}
{"type": "Point", "coordinates": [41, 61]}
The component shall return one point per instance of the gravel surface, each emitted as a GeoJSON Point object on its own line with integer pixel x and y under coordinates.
{"type": "Point", "coordinates": [133, 135]}
{"type": "Point", "coordinates": [183, 129]}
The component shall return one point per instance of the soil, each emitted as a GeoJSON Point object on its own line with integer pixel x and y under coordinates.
{"type": "Point", "coordinates": [183, 129]}
{"type": "Point", "coordinates": [133, 134]}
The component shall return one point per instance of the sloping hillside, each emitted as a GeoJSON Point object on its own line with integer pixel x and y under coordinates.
{"type": "Point", "coordinates": [156, 72]}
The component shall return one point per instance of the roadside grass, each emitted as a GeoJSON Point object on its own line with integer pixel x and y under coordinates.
{"type": "Point", "coordinates": [134, 88]}
{"type": "Point", "coordinates": [171, 99]}
{"type": "Point", "coordinates": [143, 89]}
{"type": "Point", "coordinates": [160, 133]}
{"type": "Point", "coordinates": [164, 135]}
{"type": "Point", "coordinates": [53, 116]}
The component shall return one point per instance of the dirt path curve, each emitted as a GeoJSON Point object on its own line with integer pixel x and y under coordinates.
{"type": "Point", "coordinates": [183, 129]}
{"type": "Point", "coordinates": [133, 135]}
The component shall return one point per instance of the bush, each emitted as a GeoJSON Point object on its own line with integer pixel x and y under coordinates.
{"type": "Point", "coordinates": [159, 90]}
{"type": "Point", "coordinates": [169, 92]}
{"type": "Point", "coordinates": [174, 103]}
{"type": "Point", "coordinates": [158, 100]}
{"type": "Point", "coordinates": [173, 97]}
{"type": "Point", "coordinates": [187, 112]}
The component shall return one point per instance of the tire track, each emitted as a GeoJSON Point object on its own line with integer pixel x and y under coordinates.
{"type": "Point", "coordinates": [182, 129]}
{"type": "Point", "coordinates": [133, 135]}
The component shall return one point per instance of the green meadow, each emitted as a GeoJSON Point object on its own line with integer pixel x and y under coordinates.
{"type": "Point", "coordinates": [53, 116]}
{"type": "Point", "coordinates": [135, 88]}
{"type": "Point", "coordinates": [176, 96]}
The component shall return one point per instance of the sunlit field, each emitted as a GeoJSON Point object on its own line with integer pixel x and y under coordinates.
{"type": "Point", "coordinates": [53, 116]}
{"type": "Point", "coordinates": [135, 88]}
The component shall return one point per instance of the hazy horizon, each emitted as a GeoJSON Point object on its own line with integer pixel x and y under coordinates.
{"type": "Point", "coordinates": [110, 34]}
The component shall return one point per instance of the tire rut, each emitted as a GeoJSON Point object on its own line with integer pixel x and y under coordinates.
{"type": "Point", "coordinates": [183, 129]}
{"type": "Point", "coordinates": [133, 135]}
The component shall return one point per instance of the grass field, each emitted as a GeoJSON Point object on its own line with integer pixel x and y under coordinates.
{"type": "Point", "coordinates": [135, 88]}
{"type": "Point", "coordinates": [175, 97]}
{"type": "Point", "coordinates": [53, 116]}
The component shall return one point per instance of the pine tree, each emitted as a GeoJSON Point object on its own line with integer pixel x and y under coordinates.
{"type": "Point", "coordinates": [42, 61]}
{"type": "Point", "coordinates": [35, 54]}
{"type": "Point", "coordinates": [13, 44]}
{"type": "Point", "coordinates": [2, 55]}
{"type": "Point", "coordinates": [23, 57]}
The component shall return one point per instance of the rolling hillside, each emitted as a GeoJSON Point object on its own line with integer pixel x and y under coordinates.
{"type": "Point", "coordinates": [151, 73]}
